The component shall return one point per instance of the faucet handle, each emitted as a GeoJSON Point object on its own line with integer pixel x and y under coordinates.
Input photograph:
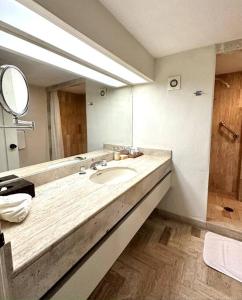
{"type": "Point", "coordinates": [104, 163]}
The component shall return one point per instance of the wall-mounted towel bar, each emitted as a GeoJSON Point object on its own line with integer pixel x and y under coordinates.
{"type": "Point", "coordinates": [233, 133]}
{"type": "Point", "coordinates": [20, 124]}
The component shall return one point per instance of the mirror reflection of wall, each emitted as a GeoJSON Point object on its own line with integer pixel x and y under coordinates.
{"type": "Point", "coordinates": [72, 116]}
{"type": "Point", "coordinates": [33, 146]}
{"type": "Point", "coordinates": [109, 115]}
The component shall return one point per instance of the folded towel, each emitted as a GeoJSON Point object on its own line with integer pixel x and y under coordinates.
{"type": "Point", "coordinates": [15, 208]}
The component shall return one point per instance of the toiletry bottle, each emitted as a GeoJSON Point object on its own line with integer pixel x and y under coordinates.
{"type": "Point", "coordinates": [132, 150]}
{"type": "Point", "coordinates": [116, 154]}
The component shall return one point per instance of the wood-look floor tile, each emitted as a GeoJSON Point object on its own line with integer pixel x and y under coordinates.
{"type": "Point", "coordinates": [107, 291]}
{"type": "Point", "coordinates": [165, 236]}
{"type": "Point", "coordinates": [164, 261]}
{"type": "Point", "coordinates": [196, 232]}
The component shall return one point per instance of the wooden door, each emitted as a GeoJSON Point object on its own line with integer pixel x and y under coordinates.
{"type": "Point", "coordinates": [225, 151]}
{"type": "Point", "coordinates": [73, 122]}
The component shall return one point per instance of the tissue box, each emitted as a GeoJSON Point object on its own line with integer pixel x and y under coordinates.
{"type": "Point", "coordinates": [16, 187]}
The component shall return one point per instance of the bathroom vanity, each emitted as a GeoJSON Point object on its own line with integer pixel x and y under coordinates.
{"type": "Point", "coordinates": [77, 221]}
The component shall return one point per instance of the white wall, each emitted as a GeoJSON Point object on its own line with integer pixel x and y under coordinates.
{"type": "Point", "coordinates": [9, 159]}
{"type": "Point", "coordinates": [3, 150]}
{"type": "Point", "coordinates": [37, 141]}
{"type": "Point", "coordinates": [180, 121]}
{"type": "Point", "coordinates": [92, 19]}
{"type": "Point", "coordinates": [109, 119]}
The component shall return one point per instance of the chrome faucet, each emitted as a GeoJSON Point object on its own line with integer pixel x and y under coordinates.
{"type": "Point", "coordinates": [102, 163]}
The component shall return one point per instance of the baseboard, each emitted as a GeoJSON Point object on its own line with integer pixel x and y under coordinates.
{"type": "Point", "coordinates": [206, 225]}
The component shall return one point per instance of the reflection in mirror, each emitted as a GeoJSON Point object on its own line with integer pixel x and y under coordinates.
{"type": "Point", "coordinates": [72, 116]}
{"type": "Point", "coordinates": [84, 115]}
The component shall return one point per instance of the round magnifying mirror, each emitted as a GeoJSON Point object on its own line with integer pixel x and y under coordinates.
{"type": "Point", "coordinates": [14, 95]}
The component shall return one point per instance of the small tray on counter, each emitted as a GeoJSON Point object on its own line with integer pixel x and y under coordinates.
{"type": "Point", "coordinates": [136, 155]}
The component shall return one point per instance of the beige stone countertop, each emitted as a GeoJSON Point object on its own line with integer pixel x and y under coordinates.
{"type": "Point", "coordinates": [63, 205]}
{"type": "Point", "coordinates": [52, 164]}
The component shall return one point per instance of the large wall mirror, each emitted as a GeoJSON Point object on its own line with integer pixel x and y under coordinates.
{"type": "Point", "coordinates": [72, 116]}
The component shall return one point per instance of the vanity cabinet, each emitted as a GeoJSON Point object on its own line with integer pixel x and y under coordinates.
{"type": "Point", "coordinates": [76, 245]}
{"type": "Point", "coordinates": [85, 276]}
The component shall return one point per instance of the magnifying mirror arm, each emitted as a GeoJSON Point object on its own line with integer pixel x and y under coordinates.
{"type": "Point", "coordinates": [24, 124]}
{"type": "Point", "coordinates": [20, 124]}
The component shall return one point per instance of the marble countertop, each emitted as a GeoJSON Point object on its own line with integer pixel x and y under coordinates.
{"type": "Point", "coordinates": [50, 165]}
{"type": "Point", "coordinates": [63, 205]}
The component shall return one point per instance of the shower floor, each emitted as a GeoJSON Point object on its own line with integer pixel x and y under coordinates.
{"type": "Point", "coordinates": [216, 214]}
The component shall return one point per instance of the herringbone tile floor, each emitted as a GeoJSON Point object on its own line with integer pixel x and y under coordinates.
{"type": "Point", "coordinates": [164, 261]}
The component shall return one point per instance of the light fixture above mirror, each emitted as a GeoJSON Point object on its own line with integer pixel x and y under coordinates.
{"type": "Point", "coordinates": [18, 45]}
{"type": "Point", "coordinates": [32, 23]}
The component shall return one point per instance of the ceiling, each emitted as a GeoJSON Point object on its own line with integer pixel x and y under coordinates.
{"type": "Point", "coordinates": [37, 73]}
{"type": "Point", "coordinates": [166, 27]}
{"type": "Point", "coordinates": [229, 62]}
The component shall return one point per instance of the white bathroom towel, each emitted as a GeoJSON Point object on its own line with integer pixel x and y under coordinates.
{"type": "Point", "coordinates": [15, 208]}
{"type": "Point", "coordinates": [223, 254]}
{"type": "Point", "coordinates": [21, 139]}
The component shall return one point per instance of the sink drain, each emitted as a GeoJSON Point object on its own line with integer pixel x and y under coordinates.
{"type": "Point", "coordinates": [227, 208]}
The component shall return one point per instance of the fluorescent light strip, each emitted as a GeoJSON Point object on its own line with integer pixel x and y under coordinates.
{"type": "Point", "coordinates": [21, 17]}
{"type": "Point", "coordinates": [21, 46]}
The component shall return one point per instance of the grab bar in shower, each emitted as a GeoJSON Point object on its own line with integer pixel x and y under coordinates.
{"type": "Point", "coordinates": [234, 134]}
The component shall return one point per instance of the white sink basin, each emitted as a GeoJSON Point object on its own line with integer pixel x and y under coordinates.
{"type": "Point", "coordinates": [113, 175]}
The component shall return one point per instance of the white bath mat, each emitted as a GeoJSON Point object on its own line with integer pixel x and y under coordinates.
{"type": "Point", "coordinates": [223, 254]}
